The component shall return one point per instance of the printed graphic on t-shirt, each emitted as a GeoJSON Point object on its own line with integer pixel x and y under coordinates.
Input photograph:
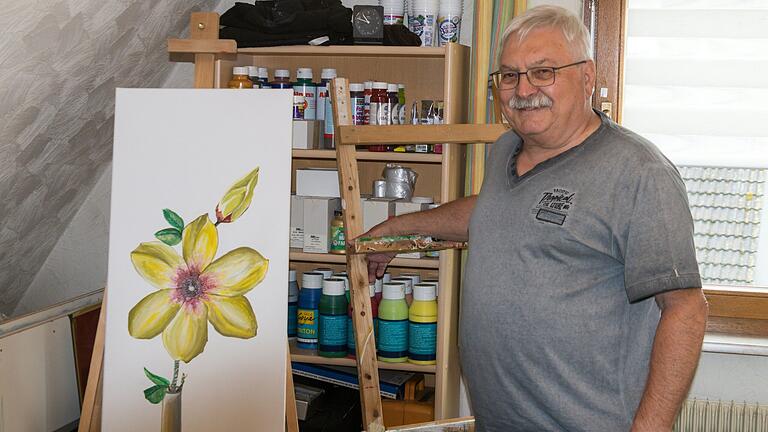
{"type": "Point", "coordinates": [553, 206]}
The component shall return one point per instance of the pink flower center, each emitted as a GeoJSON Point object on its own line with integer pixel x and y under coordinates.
{"type": "Point", "coordinates": [191, 286]}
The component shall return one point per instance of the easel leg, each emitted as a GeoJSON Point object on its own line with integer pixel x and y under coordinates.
{"type": "Point", "coordinates": [90, 413]}
{"type": "Point", "coordinates": [291, 418]}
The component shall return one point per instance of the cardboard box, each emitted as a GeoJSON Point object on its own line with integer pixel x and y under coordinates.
{"type": "Point", "coordinates": [376, 211]}
{"type": "Point", "coordinates": [318, 214]}
{"type": "Point", "coordinates": [297, 221]}
{"type": "Point", "coordinates": [317, 182]}
{"type": "Point", "coordinates": [306, 133]}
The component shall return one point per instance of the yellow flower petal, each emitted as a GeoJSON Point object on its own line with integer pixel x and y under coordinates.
{"type": "Point", "coordinates": [199, 242]}
{"type": "Point", "coordinates": [152, 314]}
{"type": "Point", "coordinates": [238, 198]}
{"type": "Point", "coordinates": [156, 262]}
{"type": "Point", "coordinates": [232, 316]}
{"type": "Point", "coordinates": [186, 336]}
{"type": "Point", "coordinates": [237, 272]}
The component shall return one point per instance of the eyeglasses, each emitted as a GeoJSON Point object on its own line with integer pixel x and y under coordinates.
{"type": "Point", "coordinates": [538, 76]}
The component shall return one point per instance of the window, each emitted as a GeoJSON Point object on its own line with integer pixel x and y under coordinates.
{"type": "Point", "coordinates": [692, 76]}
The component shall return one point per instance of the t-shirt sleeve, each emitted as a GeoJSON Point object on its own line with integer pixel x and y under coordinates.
{"type": "Point", "coordinates": [659, 254]}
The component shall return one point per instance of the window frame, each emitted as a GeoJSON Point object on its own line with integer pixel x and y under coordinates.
{"type": "Point", "coordinates": [739, 310]}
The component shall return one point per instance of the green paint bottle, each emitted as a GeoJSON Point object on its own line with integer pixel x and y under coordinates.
{"type": "Point", "coordinates": [392, 344]}
{"type": "Point", "coordinates": [333, 319]}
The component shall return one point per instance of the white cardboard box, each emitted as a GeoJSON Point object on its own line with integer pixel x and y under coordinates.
{"type": "Point", "coordinates": [405, 207]}
{"type": "Point", "coordinates": [376, 211]}
{"type": "Point", "coordinates": [305, 134]}
{"type": "Point", "coordinates": [318, 214]}
{"type": "Point", "coordinates": [317, 182]}
{"type": "Point", "coordinates": [297, 221]}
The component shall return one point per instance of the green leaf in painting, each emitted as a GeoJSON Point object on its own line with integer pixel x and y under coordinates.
{"type": "Point", "coordinates": [175, 220]}
{"type": "Point", "coordinates": [155, 394]}
{"type": "Point", "coordinates": [157, 379]}
{"type": "Point", "coordinates": [169, 236]}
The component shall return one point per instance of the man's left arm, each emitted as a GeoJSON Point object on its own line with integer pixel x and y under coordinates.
{"type": "Point", "coordinates": [675, 355]}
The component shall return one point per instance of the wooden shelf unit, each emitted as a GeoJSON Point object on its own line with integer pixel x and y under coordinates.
{"type": "Point", "coordinates": [427, 73]}
{"type": "Point", "coordinates": [310, 356]}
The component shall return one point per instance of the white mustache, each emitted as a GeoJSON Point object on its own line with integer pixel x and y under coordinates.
{"type": "Point", "coordinates": [538, 100]}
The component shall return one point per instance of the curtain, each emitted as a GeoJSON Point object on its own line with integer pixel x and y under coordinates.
{"type": "Point", "coordinates": [491, 17]}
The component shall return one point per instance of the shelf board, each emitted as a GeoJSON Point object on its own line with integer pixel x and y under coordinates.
{"type": "Point", "coordinates": [310, 356]}
{"type": "Point", "coordinates": [372, 156]}
{"type": "Point", "coordinates": [347, 51]}
{"type": "Point", "coordinates": [298, 255]}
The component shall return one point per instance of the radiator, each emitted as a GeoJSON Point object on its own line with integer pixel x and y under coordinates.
{"type": "Point", "coordinates": [720, 416]}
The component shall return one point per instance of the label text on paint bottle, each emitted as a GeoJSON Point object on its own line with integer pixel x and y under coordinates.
{"type": "Point", "coordinates": [393, 338]}
{"type": "Point", "coordinates": [307, 326]}
{"type": "Point", "coordinates": [422, 341]}
{"type": "Point", "coordinates": [333, 333]}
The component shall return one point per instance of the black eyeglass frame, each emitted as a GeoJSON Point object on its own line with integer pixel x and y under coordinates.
{"type": "Point", "coordinates": [498, 73]}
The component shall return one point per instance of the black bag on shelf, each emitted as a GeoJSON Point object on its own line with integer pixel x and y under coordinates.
{"type": "Point", "coordinates": [287, 22]}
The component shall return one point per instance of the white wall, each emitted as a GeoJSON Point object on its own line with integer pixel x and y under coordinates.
{"type": "Point", "coordinates": [78, 262]}
{"type": "Point", "coordinates": [38, 388]}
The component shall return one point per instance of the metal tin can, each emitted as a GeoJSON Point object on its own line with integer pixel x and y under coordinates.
{"type": "Point", "coordinates": [379, 188]}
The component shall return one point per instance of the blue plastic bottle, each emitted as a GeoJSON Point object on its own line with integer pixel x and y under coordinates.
{"type": "Point", "coordinates": [308, 312]}
{"type": "Point", "coordinates": [293, 303]}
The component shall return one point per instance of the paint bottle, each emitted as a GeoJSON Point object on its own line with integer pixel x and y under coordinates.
{"type": "Point", "coordinates": [253, 75]}
{"type": "Point", "coordinates": [367, 92]}
{"type": "Point", "coordinates": [338, 241]}
{"type": "Point", "coordinates": [322, 90]}
{"type": "Point", "coordinates": [414, 277]}
{"type": "Point", "coordinates": [293, 303]}
{"type": "Point", "coordinates": [344, 277]}
{"type": "Point", "coordinates": [351, 342]}
{"type": "Point", "coordinates": [239, 78]}
{"type": "Point", "coordinates": [282, 79]}
{"type": "Point", "coordinates": [263, 77]}
{"type": "Point", "coordinates": [309, 301]}
{"type": "Point", "coordinates": [394, 106]}
{"type": "Point", "coordinates": [436, 283]}
{"type": "Point", "coordinates": [392, 345]}
{"type": "Point", "coordinates": [305, 87]}
{"type": "Point", "coordinates": [325, 271]}
{"type": "Point", "coordinates": [379, 111]}
{"type": "Point", "coordinates": [357, 102]}
{"type": "Point", "coordinates": [378, 284]}
{"type": "Point", "coordinates": [387, 278]}
{"type": "Point", "coordinates": [327, 107]}
{"type": "Point", "coordinates": [299, 106]}
{"type": "Point", "coordinates": [333, 319]}
{"type": "Point", "coordinates": [408, 282]}
{"type": "Point", "coordinates": [402, 118]}
{"type": "Point", "coordinates": [422, 326]}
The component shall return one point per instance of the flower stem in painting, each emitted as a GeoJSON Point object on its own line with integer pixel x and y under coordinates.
{"type": "Point", "coordinates": [173, 388]}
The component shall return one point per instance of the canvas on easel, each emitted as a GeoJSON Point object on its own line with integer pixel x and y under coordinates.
{"type": "Point", "coordinates": [198, 261]}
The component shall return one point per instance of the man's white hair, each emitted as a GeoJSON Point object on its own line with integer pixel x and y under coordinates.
{"type": "Point", "coordinates": [574, 31]}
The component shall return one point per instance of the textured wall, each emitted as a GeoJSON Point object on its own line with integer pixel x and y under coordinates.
{"type": "Point", "coordinates": [60, 62]}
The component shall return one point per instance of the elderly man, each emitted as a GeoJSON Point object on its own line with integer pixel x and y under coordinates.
{"type": "Point", "coordinates": [582, 307]}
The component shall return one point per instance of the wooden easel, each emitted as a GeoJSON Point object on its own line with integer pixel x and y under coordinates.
{"type": "Point", "coordinates": [205, 46]}
{"type": "Point", "coordinates": [347, 137]}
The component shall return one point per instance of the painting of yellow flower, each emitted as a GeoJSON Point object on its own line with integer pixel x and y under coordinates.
{"type": "Point", "coordinates": [195, 289]}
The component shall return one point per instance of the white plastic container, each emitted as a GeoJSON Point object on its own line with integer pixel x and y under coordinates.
{"type": "Point", "coordinates": [422, 20]}
{"type": "Point", "coordinates": [449, 22]}
{"type": "Point", "coordinates": [394, 11]}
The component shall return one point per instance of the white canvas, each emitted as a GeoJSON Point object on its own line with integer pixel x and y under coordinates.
{"type": "Point", "coordinates": [184, 150]}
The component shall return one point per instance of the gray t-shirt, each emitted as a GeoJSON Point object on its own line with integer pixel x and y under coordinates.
{"type": "Point", "coordinates": [557, 314]}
